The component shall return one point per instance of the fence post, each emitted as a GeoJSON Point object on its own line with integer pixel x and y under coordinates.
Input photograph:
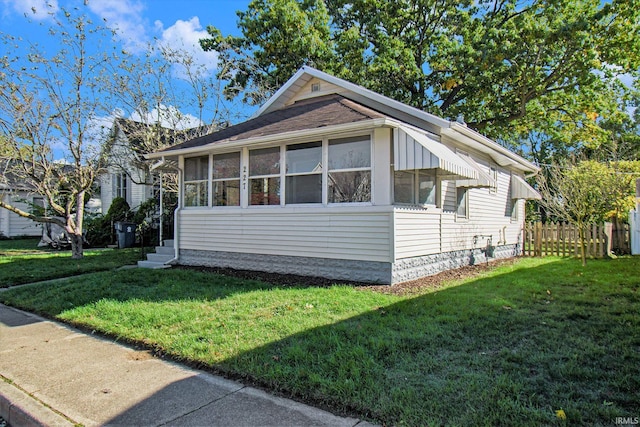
{"type": "Point", "coordinates": [537, 239]}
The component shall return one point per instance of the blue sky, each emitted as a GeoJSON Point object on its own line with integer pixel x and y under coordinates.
{"type": "Point", "coordinates": [137, 20]}
{"type": "Point", "coordinates": [177, 23]}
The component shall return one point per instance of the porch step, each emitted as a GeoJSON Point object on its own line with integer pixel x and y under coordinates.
{"type": "Point", "coordinates": [165, 250]}
{"type": "Point", "coordinates": [159, 259]}
{"type": "Point", "coordinates": [153, 265]}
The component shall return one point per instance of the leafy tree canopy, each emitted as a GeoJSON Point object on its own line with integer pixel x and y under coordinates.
{"type": "Point", "coordinates": [513, 70]}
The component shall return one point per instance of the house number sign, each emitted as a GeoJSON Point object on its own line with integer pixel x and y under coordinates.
{"type": "Point", "coordinates": [244, 177]}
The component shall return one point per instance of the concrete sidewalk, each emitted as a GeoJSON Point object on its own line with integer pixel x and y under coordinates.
{"type": "Point", "coordinates": [54, 375]}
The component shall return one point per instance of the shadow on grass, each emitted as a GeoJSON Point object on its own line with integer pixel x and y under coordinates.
{"type": "Point", "coordinates": [507, 349]}
{"type": "Point", "coordinates": [504, 350]}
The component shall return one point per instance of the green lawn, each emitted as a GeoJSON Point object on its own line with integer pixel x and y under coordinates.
{"type": "Point", "coordinates": [21, 261]}
{"type": "Point", "coordinates": [509, 347]}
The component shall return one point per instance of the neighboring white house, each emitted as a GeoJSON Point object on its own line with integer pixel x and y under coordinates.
{"type": "Point", "coordinates": [16, 193]}
{"type": "Point", "coordinates": [126, 174]}
{"type": "Point", "coordinates": [332, 180]}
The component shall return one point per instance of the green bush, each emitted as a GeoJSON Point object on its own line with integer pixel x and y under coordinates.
{"type": "Point", "coordinates": [99, 230]}
{"type": "Point", "coordinates": [99, 227]}
{"type": "Point", "coordinates": [119, 210]}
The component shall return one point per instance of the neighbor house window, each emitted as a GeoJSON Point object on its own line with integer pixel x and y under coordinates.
{"type": "Point", "coordinates": [226, 179]}
{"type": "Point", "coordinates": [121, 185]}
{"type": "Point", "coordinates": [349, 175]}
{"type": "Point", "coordinates": [462, 202]}
{"type": "Point", "coordinates": [415, 187]}
{"type": "Point", "coordinates": [196, 181]}
{"type": "Point", "coordinates": [304, 173]}
{"type": "Point", "coordinates": [264, 176]}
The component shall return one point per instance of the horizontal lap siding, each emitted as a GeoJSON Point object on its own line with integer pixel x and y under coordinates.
{"type": "Point", "coordinates": [417, 233]}
{"type": "Point", "coordinates": [489, 215]}
{"type": "Point", "coordinates": [21, 226]}
{"type": "Point", "coordinates": [362, 236]}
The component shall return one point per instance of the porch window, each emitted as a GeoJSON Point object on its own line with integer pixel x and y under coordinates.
{"type": "Point", "coordinates": [196, 181]}
{"type": "Point", "coordinates": [226, 179]}
{"type": "Point", "coordinates": [349, 175]}
{"type": "Point", "coordinates": [264, 176]}
{"type": "Point", "coordinates": [304, 173]}
{"type": "Point", "coordinates": [462, 203]}
{"type": "Point", "coordinates": [415, 187]}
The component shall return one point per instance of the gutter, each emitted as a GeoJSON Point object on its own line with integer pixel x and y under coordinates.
{"type": "Point", "coordinates": [478, 137]}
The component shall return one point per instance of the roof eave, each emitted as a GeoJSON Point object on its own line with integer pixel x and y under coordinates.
{"type": "Point", "coordinates": [470, 137]}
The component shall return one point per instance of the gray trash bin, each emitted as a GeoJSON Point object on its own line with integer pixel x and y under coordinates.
{"type": "Point", "coordinates": [126, 234]}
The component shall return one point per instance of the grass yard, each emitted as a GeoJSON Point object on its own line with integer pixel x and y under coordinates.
{"type": "Point", "coordinates": [508, 347]}
{"type": "Point", "coordinates": [21, 261]}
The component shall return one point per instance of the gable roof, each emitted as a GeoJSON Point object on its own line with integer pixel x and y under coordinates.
{"type": "Point", "coordinates": [356, 93]}
{"type": "Point", "coordinates": [282, 114]}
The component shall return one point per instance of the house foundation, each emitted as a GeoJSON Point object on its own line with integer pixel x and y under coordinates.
{"type": "Point", "coordinates": [402, 270]}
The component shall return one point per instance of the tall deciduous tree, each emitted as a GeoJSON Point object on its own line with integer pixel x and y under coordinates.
{"type": "Point", "coordinates": [507, 67]}
{"type": "Point", "coordinates": [48, 102]}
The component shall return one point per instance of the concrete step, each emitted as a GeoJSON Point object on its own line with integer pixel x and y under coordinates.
{"type": "Point", "coordinates": [159, 257]}
{"type": "Point", "coordinates": [152, 265]}
{"type": "Point", "coordinates": [168, 243]}
{"type": "Point", "coordinates": [165, 250]}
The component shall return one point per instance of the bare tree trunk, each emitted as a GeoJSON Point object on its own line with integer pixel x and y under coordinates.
{"type": "Point", "coordinates": [77, 251]}
{"type": "Point", "coordinates": [583, 244]}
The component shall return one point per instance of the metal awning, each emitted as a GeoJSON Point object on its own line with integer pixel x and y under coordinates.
{"type": "Point", "coordinates": [484, 179]}
{"type": "Point", "coordinates": [414, 150]}
{"type": "Point", "coordinates": [520, 189]}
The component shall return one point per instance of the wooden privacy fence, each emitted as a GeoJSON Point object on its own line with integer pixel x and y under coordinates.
{"type": "Point", "coordinates": [563, 239]}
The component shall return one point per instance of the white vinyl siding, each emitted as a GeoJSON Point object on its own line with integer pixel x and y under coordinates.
{"type": "Point", "coordinates": [12, 225]}
{"type": "Point", "coordinates": [324, 232]}
{"type": "Point", "coordinates": [417, 232]}
{"type": "Point", "coordinates": [489, 215]}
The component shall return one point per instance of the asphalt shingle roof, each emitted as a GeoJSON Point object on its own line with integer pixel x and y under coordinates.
{"type": "Point", "coordinates": [310, 113]}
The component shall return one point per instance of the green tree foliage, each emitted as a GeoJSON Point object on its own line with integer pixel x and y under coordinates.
{"type": "Point", "coordinates": [514, 70]}
{"type": "Point", "coordinates": [279, 36]}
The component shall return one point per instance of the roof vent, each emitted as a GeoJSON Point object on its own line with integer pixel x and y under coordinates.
{"type": "Point", "coordinates": [315, 87]}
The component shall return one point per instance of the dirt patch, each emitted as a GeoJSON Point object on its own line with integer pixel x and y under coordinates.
{"type": "Point", "coordinates": [418, 286]}
{"type": "Point", "coordinates": [437, 281]}
{"type": "Point", "coordinates": [139, 355]}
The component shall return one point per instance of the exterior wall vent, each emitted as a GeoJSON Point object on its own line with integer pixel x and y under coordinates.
{"type": "Point", "coordinates": [315, 87]}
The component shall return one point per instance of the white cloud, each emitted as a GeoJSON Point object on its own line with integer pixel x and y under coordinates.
{"type": "Point", "coordinates": [36, 9]}
{"type": "Point", "coordinates": [186, 35]}
{"type": "Point", "coordinates": [125, 17]}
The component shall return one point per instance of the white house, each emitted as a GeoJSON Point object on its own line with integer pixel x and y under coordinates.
{"type": "Point", "coordinates": [15, 192]}
{"type": "Point", "coordinates": [332, 180]}
{"type": "Point", "coordinates": [126, 175]}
